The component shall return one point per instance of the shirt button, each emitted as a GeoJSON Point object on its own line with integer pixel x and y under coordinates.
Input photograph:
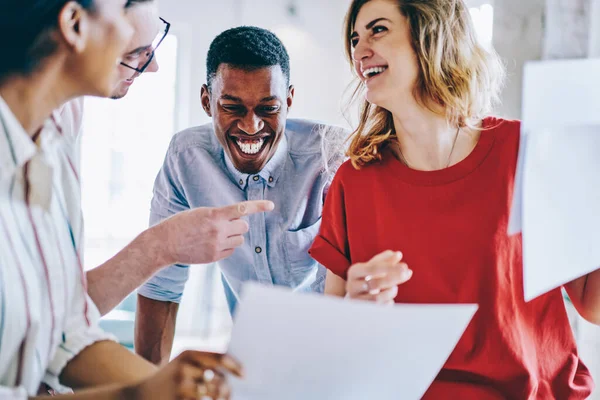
{"type": "Point", "coordinates": [241, 181]}
{"type": "Point", "coordinates": [258, 250]}
{"type": "Point", "coordinates": [271, 179]}
{"type": "Point", "coordinates": [256, 178]}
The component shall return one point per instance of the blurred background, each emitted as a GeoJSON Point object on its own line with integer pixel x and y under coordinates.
{"type": "Point", "coordinates": [125, 141]}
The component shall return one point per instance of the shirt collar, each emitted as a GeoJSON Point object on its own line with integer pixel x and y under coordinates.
{"type": "Point", "coordinates": [17, 149]}
{"type": "Point", "coordinates": [16, 146]}
{"type": "Point", "coordinates": [270, 173]}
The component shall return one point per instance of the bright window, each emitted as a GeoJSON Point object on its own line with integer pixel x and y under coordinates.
{"type": "Point", "coordinates": [123, 146]}
{"type": "Point", "coordinates": [483, 19]}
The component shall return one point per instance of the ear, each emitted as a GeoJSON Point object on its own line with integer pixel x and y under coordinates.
{"type": "Point", "coordinates": [73, 26]}
{"type": "Point", "coordinates": [205, 99]}
{"type": "Point", "coordinates": [290, 96]}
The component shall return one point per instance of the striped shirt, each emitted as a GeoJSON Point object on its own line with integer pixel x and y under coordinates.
{"type": "Point", "coordinates": [46, 317]}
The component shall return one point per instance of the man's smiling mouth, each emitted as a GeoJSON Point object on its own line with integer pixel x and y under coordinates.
{"type": "Point", "coordinates": [250, 147]}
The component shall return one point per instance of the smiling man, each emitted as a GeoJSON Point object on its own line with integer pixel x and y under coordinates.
{"type": "Point", "coordinates": [251, 151]}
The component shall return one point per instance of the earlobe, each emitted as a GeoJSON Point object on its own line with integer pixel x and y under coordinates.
{"type": "Point", "coordinates": [73, 27]}
{"type": "Point", "coordinates": [205, 100]}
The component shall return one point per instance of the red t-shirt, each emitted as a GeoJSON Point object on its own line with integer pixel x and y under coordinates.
{"type": "Point", "coordinates": [451, 226]}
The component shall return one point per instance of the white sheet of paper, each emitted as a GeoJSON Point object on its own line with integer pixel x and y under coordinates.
{"type": "Point", "coordinates": [558, 174]}
{"type": "Point", "coordinates": [561, 208]}
{"type": "Point", "coordinates": [560, 94]}
{"type": "Point", "coordinates": [516, 209]}
{"type": "Point", "coordinates": [299, 346]}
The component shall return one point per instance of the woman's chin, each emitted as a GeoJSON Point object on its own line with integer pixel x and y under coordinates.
{"type": "Point", "coordinates": [376, 99]}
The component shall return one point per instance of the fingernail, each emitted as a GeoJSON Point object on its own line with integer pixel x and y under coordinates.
{"type": "Point", "coordinates": [232, 365]}
{"type": "Point", "coordinates": [407, 274]}
{"type": "Point", "coordinates": [270, 206]}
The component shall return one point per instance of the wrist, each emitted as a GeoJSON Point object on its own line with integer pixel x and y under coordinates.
{"type": "Point", "coordinates": [155, 248]}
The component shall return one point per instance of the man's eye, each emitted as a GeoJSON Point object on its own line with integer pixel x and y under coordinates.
{"type": "Point", "coordinates": [270, 109]}
{"type": "Point", "coordinates": [232, 108]}
{"type": "Point", "coordinates": [132, 57]}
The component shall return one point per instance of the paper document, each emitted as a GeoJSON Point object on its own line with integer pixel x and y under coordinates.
{"type": "Point", "coordinates": [516, 215]}
{"type": "Point", "coordinates": [561, 208]}
{"type": "Point", "coordinates": [557, 188]}
{"type": "Point", "coordinates": [300, 346]}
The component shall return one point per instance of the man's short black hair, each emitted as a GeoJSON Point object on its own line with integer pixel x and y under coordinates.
{"type": "Point", "coordinates": [249, 48]}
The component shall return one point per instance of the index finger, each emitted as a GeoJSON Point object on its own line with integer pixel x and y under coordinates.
{"type": "Point", "coordinates": [214, 361]}
{"type": "Point", "coordinates": [244, 208]}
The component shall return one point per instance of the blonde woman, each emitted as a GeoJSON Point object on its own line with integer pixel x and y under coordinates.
{"type": "Point", "coordinates": [419, 213]}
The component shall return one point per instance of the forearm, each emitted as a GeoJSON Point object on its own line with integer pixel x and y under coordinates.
{"type": "Point", "coordinates": [155, 329]}
{"type": "Point", "coordinates": [334, 285]}
{"type": "Point", "coordinates": [585, 295]}
{"type": "Point", "coordinates": [114, 280]}
{"type": "Point", "coordinates": [105, 363]}
{"type": "Point", "coordinates": [106, 393]}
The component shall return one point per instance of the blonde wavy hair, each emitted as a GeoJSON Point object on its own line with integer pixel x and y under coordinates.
{"type": "Point", "coordinates": [457, 75]}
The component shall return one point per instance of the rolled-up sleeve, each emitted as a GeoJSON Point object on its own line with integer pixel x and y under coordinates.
{"type": "Point", "coordinates": [80, 331]}
{"type": "Point", "coordinates": [167, 284]}
{"type": "Point", "coordinates": [168, 199]}
{"type": "Point", "coordinates": [330, 247]}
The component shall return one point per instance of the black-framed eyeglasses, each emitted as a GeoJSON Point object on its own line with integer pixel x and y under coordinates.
{"type": "Point", "coordinates": [145, 56]}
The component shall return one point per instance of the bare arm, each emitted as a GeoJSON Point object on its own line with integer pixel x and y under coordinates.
{"type": "Point", "coordinates": [137, 379]}
{"type": "Point", "coordinates": [584, 293]}
{"type": "Point", "coordinates": [105, 363]}
{"type": "Point", "coordinates": [334, 285]}
{"type": "Point", "coordinates": [95, 368]}
{"type": "Point", "coordinates": [114, 280]}
{"type": "Point", "coordinates": [155, 329]}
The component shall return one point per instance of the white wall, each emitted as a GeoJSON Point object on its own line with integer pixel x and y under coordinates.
{"type": "Point", "coordinates": [313, 39]}
{"type": "Point", "coordinates": [518, 35]}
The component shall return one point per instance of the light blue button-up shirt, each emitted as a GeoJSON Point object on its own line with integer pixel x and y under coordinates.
{"type": "Point", "coordinates": [197, 173]}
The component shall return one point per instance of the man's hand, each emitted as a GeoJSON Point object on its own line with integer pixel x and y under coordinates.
{"type": "Point", "coordinates": [198, 236]}
{"type": "Point", "coordinates": [204, 235]}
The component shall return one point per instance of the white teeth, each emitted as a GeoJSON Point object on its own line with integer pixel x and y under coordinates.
{"type": "Point", "coordinates": [370, 72]}
{"type": "Point", "coordinates": [250, 148]}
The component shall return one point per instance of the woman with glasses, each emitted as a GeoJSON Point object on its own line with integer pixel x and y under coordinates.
{"type": "Point", "coordinates": [58, 50]}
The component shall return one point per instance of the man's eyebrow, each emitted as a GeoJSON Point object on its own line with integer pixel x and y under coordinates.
{"type": "Point", "coordinates": [231, 98]}
{"type": "Point", "coordinates": [270, 98]}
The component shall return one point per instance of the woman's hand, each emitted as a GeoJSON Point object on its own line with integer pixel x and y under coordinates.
{"type": "Point", "coordinates": [378, 279]}
{"type": "Point", "coordinates": [193, 375]}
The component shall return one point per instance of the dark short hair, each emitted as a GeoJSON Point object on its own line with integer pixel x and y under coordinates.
{"type": "Point", "coordinates": [249, 48]}
{"type": "Point", "coordinates": [131, 3]}
{"type": "Point", "coordinates": [26, 32]}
